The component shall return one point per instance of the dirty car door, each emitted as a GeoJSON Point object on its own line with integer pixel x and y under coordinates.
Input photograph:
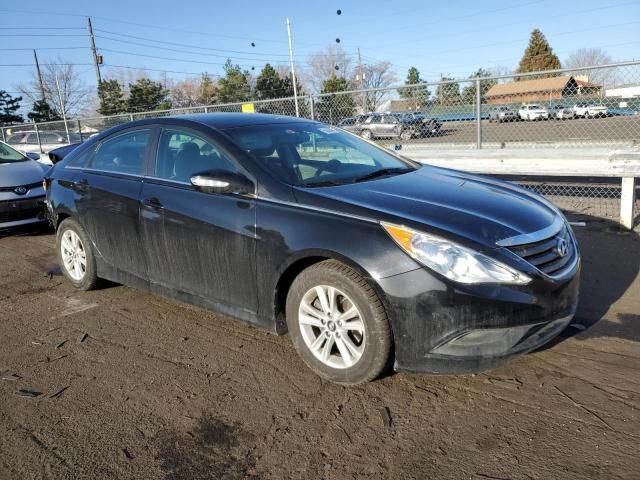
{"type": "Point", "coordinates": [197, 243]}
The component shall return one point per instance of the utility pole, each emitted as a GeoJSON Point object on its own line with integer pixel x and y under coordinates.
{"type": "Point", "coordinates": [361, 77]}
{"type": "Point", "coordinates": [93, 49]}
{"type": "Point", "coordinates": [293, 71]}
{"type": "Point", "coordinates": [39, 74]}
{"type": "Point", "coordinates": [62, 109]}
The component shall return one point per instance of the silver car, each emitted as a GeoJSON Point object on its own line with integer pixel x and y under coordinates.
{"type": "Point", "coordinates": [503, 114]}
{"type": "Point", "coordinates": [21, 190]}
{"type": "Point", "coordinates": [560, 112]}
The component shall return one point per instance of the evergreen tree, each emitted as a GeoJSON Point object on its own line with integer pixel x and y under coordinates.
{"type": "Point", "coordinates": [111, 98]}
{"type": "Point", "coordinates": [8, 108]}
{"type": "Point", "coordinates": [234, 86]}
{"type": "Point", "coordinates": [146, 95]}
{"type": "Point", "coordinates": [469, 92]}
{"type": "Point", "coordinates": [419, 95]}
{"type": "Point", "coordinates": [333, 108]}
{"type": "Point", "coordinates": [448, 93]}
{"type": "Point", "coordinates": [42, 112]}
{"type": "Point", "coordinates": [208, 91]}
{"type": "Point", "coordinates": [538, 56]}
{"type": "Point", "coordinates": [269, 84]}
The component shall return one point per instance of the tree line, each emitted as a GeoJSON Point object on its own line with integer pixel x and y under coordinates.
{"type": "Point", "coordinates": [329, 72]}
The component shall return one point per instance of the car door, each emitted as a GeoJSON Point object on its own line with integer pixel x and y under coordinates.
{"type": "Point", "coordinates": [199, 243]}
{"type": "Point", "coordinates": [107, 190]}
{"type": "Point", "coordinates": [390, 126]}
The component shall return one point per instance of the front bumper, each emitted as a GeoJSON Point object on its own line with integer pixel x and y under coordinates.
{"type": "Point", "coordinates": [443, 328]}
{"type": "Point", "coordinates": [20, 211]}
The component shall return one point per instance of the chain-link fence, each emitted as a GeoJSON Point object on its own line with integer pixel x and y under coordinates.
{"type": "Point", "coordinates": [585, 108]}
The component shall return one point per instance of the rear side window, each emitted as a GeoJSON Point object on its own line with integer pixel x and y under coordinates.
{"type": "Point", "coordinates": [181, 154]}
{"type": "Point", "coordinates": [123, 153]}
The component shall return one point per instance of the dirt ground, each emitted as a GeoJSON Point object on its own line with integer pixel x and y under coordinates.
{"type": "Point", "coordinates": [119, 384]}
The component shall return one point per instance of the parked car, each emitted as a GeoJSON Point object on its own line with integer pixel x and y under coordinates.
{"type": "Point", "coordinates": [590, 110]}
{"type": "Point", "coordinates": [27, 141]}
{"type": "Point", "coordinates": [386, 125]}
{"type": "Point", "coordinates": [561, 112]}
{"type": "Point", "coordinates": [59, 153]}
{"type": "Point", "coordinates": [424, 126]}
{"type": "Point", "coordinates": [361, 258]}
{"type": "Point", "coordinates": [503, 114]}
{"type": "Point", "coordinates": [21, 189]}
{"type": "Point", "coordinates": [352, 124]}
{"type": "Point", "coordinates": [533, 112]}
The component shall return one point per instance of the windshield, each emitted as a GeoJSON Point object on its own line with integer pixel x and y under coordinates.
{"type": "Point", "coordinates": [8, 154]}
{"type": "Point", "coordinates": [308, 154]}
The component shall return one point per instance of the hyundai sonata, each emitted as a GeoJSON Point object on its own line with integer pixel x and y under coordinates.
{"type": "Point", "coordinates": [364, 257]}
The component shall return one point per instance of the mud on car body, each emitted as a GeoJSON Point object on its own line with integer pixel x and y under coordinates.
{"type": "Point", "coordinates": [364, 257]}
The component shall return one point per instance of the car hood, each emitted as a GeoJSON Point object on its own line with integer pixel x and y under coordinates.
{"type": "Point", "coordinates": [451, 203]}
{"type": "Point", "coordinates": [13, 174]}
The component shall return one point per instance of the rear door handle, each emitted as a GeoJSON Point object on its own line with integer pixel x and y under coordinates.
{"type": "Point", "coordinates": [152, 202]}
{"type": "Point", "coordinates": [81, 185]}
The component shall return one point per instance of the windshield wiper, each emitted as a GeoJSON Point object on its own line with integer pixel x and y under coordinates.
{"type": "Point", "coordinates": [381, 173]}
{"type": "Point", "coordinates": [322, 183]}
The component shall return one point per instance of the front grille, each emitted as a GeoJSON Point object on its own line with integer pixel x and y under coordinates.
{"type": "Point", "coordinates": [28, 187]}
{"type": "Point", "coordinates": [545, 254]}
{"type": "Point", "coordinates": [17, 210]}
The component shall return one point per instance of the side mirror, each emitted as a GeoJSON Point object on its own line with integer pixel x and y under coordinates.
{"type": "Point", "coordinates": [222, 181]}
{"type": "Point", "coordinates": [33, 155]}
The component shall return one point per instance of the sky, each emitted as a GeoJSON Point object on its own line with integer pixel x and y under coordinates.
{"type": "Point", "coordinates": [451, 38]}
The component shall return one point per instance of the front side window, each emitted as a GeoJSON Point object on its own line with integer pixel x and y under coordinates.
{"type": "Point", "coordinates": [123, 153]}
{"type": "Point", "coordinates": [183, 154]}
{"type": "Point", "coordinates": [16, 138]}
{"type": "Point", "coordinates": [309, 154]}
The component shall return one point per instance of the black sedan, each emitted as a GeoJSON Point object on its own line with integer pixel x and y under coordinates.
{"type": "Point", "coordinates": [292, 225]}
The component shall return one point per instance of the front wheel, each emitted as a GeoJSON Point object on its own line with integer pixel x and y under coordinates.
{"type": "Point", "coordinates": [338, 324]}
{"type": "Point", "coordinates": [406, 135]}
{"type": "Point", "coordinates": [75, 255]}
{"type": "Point", "coordinates": [366, 134]}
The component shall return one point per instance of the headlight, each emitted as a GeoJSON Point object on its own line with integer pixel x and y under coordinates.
{"type": "Point", "coordinates": [454, 261]}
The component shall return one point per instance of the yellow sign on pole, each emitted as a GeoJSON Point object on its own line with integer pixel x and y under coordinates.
{"type": "Point", "coordinates": [248, 108]}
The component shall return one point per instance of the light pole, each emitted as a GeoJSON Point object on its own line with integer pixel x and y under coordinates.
{"type": "Point", "coordinates": [293, 71]}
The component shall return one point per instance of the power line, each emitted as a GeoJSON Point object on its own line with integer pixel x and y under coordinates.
{"type": "Point", "coordinates": [41, 48]}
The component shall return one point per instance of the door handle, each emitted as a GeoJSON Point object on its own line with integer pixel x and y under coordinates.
{"type": "Point", "coordinates": [81, 185]}
{"type": "Point", "coordinates": [152, 202]}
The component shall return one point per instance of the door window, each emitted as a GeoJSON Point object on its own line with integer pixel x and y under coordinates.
{"type": "Point", "coordinates": [123, 153]}
{"type": "Point", "coordinates": [182, 154]}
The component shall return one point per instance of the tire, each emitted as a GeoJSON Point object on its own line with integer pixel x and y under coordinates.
{"type": "Point", "coordinates": [373, 343]}
{"type": "Point", "coordinates": [366, 134]}
{"type": "Point", "coordinates": [86, 277]}
{"type": "Point", "coordinates": [406, 135]}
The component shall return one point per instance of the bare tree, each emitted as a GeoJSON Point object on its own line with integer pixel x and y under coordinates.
{"type": "Point", "coordinates": [74, 93]}
{"type": "Point", "coordinates": [501, 70]}
{"type": "Point", "coordinates": [376, 75]}
{"type": "Point", "coordinates": [185, 93]}
{"type": "Point", "coordinates": [322, 65]}
{"type": "Point", "coordinates": [587, 57]}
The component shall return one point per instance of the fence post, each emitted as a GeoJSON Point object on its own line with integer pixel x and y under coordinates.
{"type": "Point", "coordinates": [627, 202]}
{"type": "Point", "coordinates": [35, 127]}
{"type": "Point", "coordinates": [4, 138]}
{"type": "Point", "coordinates": [313, 114]}
{"type": "Point", "coordinates": [80, 131]}
{"type": "Point", "coordinates": [478, 115]}
{"type": "Point", "coordinates": [206, 109]}
{"type": "Point", "coordinates": [131, 117]}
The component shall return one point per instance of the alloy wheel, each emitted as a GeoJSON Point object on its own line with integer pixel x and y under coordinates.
{"type": "Point", "coordinates": [74, 256]}
{"type": "Point", "coordinates": [331, 326]}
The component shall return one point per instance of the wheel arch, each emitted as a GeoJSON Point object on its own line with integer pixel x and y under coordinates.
{"type": "Point", "coordinates": [300, 262]}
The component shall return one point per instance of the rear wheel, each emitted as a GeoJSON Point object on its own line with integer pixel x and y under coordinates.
{"type": "Point", "coordinates": [406, 135]}
{"type": "Point", "coordinates": [75, 255]}
{"type": "Point", "coordinates": [338, 324]}
{"type": "Point", "coordinates": [366, 134]}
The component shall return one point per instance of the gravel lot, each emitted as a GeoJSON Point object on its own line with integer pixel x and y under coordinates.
{"type": "Point", "coordinates": [132, 385]}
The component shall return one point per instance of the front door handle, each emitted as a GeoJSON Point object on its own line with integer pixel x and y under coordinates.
{"type": "Point", "coordinates": [152, 202]}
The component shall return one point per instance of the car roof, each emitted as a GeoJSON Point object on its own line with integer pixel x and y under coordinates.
{"type": "Point", "coordinates": [233, 120]}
